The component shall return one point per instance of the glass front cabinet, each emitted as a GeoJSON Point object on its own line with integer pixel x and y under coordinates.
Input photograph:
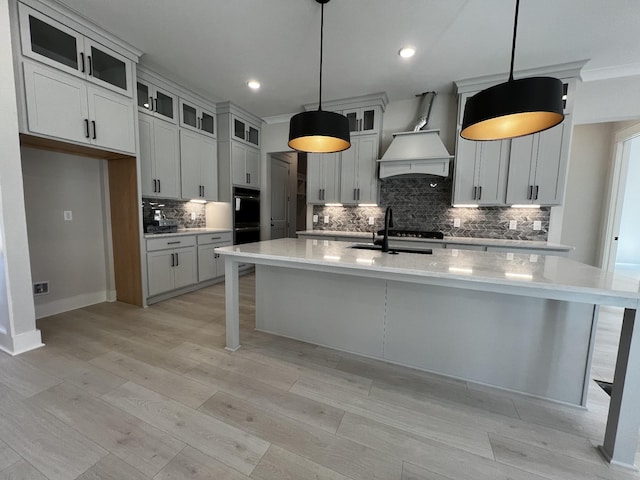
{"type": "Point", "coordinates": [50, 42]}
{"type": "Point", "coordinates": [196, 118]}
{"type": "Point", "coordinates": [157, 101]}
{"type": "Point", "coordinates": [243, 130]}
{"type": "Point", "coordinates": [363, 120]}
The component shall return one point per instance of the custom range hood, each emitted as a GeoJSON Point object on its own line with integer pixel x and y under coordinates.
{"type": "Point", "coordinates": [416, 153]}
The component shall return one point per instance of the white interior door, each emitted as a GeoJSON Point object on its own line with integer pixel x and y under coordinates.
{"type": "Point", "coordinates": [279, 198]}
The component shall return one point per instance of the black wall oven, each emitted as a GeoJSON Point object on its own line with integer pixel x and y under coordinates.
{"type": "Point", "coordinates": [246, 215]}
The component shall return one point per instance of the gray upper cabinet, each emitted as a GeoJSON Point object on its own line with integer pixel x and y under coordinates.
{"type": "Point", "coordinates": [197, 118]}
{"type": "Point", "coordinates": [157, 101]}
{"type": "Point", "coordinates": [363, 120]}
{"type": "Point", "coordinates": [49, 41]}
{"type": "Point", "coordinates": [245, 131]}
{"type": "Point", "coordinates": [538, 167]}
{"type": "Point", "coordinates": [480, 172]}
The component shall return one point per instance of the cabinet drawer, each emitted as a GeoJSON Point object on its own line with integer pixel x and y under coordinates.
{"type": "Point", "coordinates": [222, 237]}
{"type": "Point", "coordinates": [171, 242]}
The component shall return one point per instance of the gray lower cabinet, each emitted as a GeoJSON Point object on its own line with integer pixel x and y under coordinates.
{"type": "Point", "coordinates": [171, 264]}
{"type": "Point", "coordinates": [210, 263]}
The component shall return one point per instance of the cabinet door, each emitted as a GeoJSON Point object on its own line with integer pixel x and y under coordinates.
{"type": "Point", "coordinates": [492, 172]}
{"type": "Point", "coordinates": [160, 272]}
{"type": "Point", "coordinates": [147, 172]}
{"type": "Point", "coordinates": [238, 164]}
{"type": "Point", "coordinates": [186, 267]}
{"type": "Point", "coordinates": [314, 178]}
{"type": "Point", "coordinates": [209, 168]}
{"type": "Point", "coordinates": [521, 170]}
{"type": "Point", "coordinates": [252, 164]}
{"type": "Point", "coordinates": [363, 121]}
{"type": "Point", "coordinates": [56, 103]}
{"type": "Point", "coordinates": [156, 101]}
{"type": "Point", "coordinates": [464, 189]}
{"type": "Point", "coordinates": [551, 165]}
{"type": "Point", "coordinates": [190, 160]}
{"type": "Point", "coordinates": [207, 263]}
{"type": "Point", "coordinates": [50, 42]}
{"type": "Point", "coordinates": [112, 119]}
{"type": "Point", "coordinates": [348, 176]}
{"type": "Point", "coordinates": [166, 151]}
{"type": "Point", "coordinates": [367, 183]}
{"type": "Point", "coordinates": [331, 177]}
{"type": "Point", "coordinates": [108, 68]}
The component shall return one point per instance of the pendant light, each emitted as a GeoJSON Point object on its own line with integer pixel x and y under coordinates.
{"type": "Point", "coordinates": [318, 131]}
{"type": "Point", "coordinates": [514, 108]}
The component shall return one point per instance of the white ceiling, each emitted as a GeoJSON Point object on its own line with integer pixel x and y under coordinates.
{"type": "Point", "coordinates": [215, 46]}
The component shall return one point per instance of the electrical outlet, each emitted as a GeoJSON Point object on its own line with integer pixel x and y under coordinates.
{"type": "Point", "coordinates": [456, 222]}
{"type": "Point", "coordinates": [509, 255]}
{"type": "Point", "coordinates": [533, 258]}
{"type": "Point", "coordinates": [372, 220]}
{"type": "Point", "coordinates": [326, 219]}
{"type": "Point", "coordinates": [537, 225]}
{"type": "Point", "coordinates": [315, 219]}
{"type": "Point", "coordinates": [193, 215]}
{"type": "Point", "coordinates": [68, 215]}
{"type": "Point", "coordinates": [513, 224]}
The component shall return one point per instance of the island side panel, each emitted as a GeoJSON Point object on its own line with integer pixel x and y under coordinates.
{"type": "Point", "coordinates": [232, 303]}
{"type": "Point", "coordinates": [340, 311]}
{"type": "Point", "coordinates": [531, 345]}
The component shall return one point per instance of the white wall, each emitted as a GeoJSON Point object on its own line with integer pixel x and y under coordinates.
{"type": "Point", "coordinates": [17, 317]}
{"type": "Point", "coordinates": [587, 190]}
{"type": "Point", "coordinates": [629, 238]}
{"type": "Point", "coordinates": [71, 255]}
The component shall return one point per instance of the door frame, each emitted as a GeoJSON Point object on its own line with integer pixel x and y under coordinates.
{"type": "Point", "coordinates": [617, 184]}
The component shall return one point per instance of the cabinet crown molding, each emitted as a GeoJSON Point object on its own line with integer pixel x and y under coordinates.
{"type": "Point", "coordinates": [228, 107]}
{"type": "Point", "coordinates": [564, 71]}
{"type": "Point", "coordinates": [374, 99]}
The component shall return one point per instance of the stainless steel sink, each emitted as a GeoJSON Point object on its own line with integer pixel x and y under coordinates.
{"type": "Point", "coordinates": [392, 251]}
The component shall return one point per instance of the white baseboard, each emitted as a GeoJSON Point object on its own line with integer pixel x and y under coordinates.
{"type": "Point", "coordinates": [71, 303]}
{"type": "Point", "coordinates": [21, 343]}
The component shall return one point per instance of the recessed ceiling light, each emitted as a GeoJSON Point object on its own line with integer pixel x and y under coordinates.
{"type": "Point", "coordinates": [407, 52]}
{"type": "Point", "coordinates": [253, 84]}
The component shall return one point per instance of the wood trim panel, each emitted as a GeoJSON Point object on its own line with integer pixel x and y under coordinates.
{"type": "Point", "coordinates": [125, 229]}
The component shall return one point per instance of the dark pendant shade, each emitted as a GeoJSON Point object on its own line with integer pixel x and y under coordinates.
{"type": "Point", "coordinates": [513, 109]}
{"type": "Point", "coordinates": [319, 131]}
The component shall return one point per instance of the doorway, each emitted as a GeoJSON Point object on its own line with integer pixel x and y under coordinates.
{"type": "Point", "coordinates": [280, 197]}
{"type": "Point", "coordinates": [622, 240]}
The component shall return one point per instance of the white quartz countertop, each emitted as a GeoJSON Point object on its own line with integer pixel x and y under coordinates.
{"type": "Point", "coordinates": [534, 275]}
{"type": "Point", "coordinates": [187, 231]}
{"type": "Point", "coordinates": [492, 242]}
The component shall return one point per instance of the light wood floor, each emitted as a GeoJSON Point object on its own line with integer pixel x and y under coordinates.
{"type": "Point", "coordinates": [124, 393]}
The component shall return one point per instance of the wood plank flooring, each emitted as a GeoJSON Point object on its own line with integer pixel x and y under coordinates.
{"type": "Point", "coordinates": [124, 393]}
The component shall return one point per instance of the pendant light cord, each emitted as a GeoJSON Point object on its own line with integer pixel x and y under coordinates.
{"type": "Point", "coordinates": [321, 42]}
{"type": "Point", "coordinates": [513, 46]}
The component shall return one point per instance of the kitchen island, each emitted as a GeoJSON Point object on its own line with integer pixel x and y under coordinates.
{"type": "Point", "coordinates": [520, 322]}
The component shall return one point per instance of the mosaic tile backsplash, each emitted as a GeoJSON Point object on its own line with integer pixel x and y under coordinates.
{"type": "Point", "coordinates": [175, 210]}
{"type": "Point", "coordinates": [425, 204]}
